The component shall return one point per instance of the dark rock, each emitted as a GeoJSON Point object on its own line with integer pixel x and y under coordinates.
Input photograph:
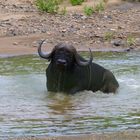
{"type": "Point", "coordinates": [118, 42]}
{"type": "Point", "coordinates": [129, 49]}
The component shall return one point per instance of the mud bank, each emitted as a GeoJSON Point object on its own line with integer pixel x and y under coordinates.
{"type": "Point", "coordinates": [126, 135]}
{"type": "Point", "coordinates": [22, 26]}
{"type": "Point", "coordinates": [25, 45]}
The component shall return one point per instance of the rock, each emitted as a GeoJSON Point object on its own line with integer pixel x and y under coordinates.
{"type": "Point", "coordinates": [120, 27]}
{"type": "Point", "coordinates": [43, 31]}
{"type": "Point", "coordinates": [15, 43]}
{"type": "Point", "coordinates": [129, 49]}
{"type": "Point", "coordinates": [112, 29]}
{"type": "Point", "coordinates": [118, 42]}
{"type": "Point", "coordinates": [35, 44]}
{"type": "Point", "coordinates": [64, 30]}
{"type": "Point", "coordinates": [109, 17]}
{"type": "Point", "coordinates": [84, 17]}
{"type": "Point", "coordinates": [49, 33]}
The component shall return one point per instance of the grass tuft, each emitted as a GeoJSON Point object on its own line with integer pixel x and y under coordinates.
{"type": "Point", "coordinates": [63, 11]}
{"type": "Point", "coordinates": [130, 41]}
{"type": "Point", "coordinates": [76, 2]}
{"type": "Point", "coordinates": [108, 36]}
{"type": "Point", "coordinates": [100, 6]}
{"type": "Point", "coordinates": [89, 10]}
{"type": "Point", "coordinates": [49, 6]}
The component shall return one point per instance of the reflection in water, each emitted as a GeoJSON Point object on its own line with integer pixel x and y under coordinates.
{"type": "Point", "coordinates": [60, 103]}
{"type": "Point", "coordinates": [27, 109]}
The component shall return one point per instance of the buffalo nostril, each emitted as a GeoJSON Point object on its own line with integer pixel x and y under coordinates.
{"type": "Point", "coordinates": [61, 61]}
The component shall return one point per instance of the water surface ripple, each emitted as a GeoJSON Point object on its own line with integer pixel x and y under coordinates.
{"type": "Point", "coordinates": [27, 109]}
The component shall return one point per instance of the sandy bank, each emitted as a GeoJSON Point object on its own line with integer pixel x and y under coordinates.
{"type": "Point", "coordinates": [125, 135]}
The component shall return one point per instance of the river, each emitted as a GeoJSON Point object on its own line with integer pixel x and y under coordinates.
{"type": "Point", "coordinates": [27, 109]}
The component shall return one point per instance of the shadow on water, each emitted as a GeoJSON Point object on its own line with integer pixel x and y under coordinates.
{"type": "Point", "coordinates": [27, 109]}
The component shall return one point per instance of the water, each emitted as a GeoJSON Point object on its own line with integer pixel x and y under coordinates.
{"type": "Point", "coordinates": [27, 109]}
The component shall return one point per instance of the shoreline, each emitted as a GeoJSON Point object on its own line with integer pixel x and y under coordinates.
{"type": "Point", "coordinates": [27, 45]}
{"type": "Point", "coordinates": [124, 135]}
{"type": "Point", "coordinates": [23, 26]}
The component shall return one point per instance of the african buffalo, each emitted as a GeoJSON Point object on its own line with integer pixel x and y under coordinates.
{"type": "Point", "coordinates": [69, 72]}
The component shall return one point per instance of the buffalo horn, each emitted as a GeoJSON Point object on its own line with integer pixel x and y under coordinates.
{"type": "Point", "coordinates": [41, 54]}
{"type": "Point", "coordinates": [84, 63]}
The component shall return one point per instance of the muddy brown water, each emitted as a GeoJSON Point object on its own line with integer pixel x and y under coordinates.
{"type": "Point", "coordinates": [27, 109]}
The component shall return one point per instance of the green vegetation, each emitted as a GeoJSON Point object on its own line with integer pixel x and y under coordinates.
{"type": "Point", "coordinates": [108, 36]}
{"type": "Point", "coordinates": [88, 10]}
{"type": "Point", "coordinates": [76, 2]}
{"type": "Point", "coordinates": [63, 11]}
{"type": "Point", "coordinates": [100, 7]}
{"type": "Point", "coordinates": [132, 0]}
{"type": "Point", "coordinates": [50, 6]}
{"type": "Point", "coordinates": [130, 41]}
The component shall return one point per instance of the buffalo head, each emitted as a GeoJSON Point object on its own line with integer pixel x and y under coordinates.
{"type": "Point", "coordinates": [64, 56]}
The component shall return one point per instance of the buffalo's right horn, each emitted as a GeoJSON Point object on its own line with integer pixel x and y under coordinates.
{"type": "Point", "coordinates": [85, 63]}
{"type": "Point", "coordinates": [41, 54]}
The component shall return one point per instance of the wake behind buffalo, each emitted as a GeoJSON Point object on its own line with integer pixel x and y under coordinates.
{"type": "Point", "coordinates": [70, 73]}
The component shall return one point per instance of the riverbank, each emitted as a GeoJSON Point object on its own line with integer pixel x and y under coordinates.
{"type": "Point", "coordinates": [125, 135]}
{"type": "Point", "coordinates": [26, 45]}
{"type": "Point", "coordinates": [23, 26]}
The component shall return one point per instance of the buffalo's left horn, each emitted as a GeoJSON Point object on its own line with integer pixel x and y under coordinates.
{"type": "Point", "coordinates": [84, 63]}
{"type": "Point", "coordinates": [41, 54]}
